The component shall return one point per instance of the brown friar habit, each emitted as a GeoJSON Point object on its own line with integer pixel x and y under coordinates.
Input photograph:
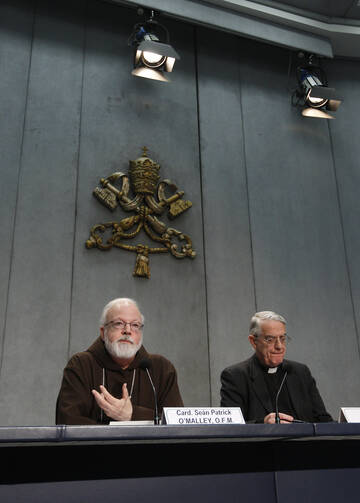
{"type": "Point", "coordinates": [88, 369]}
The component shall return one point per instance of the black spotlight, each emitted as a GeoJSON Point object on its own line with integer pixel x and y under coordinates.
{"type": "Point", "coordinates": [313, 94]}
{"type": "Point", "coordinates": [153, 53]}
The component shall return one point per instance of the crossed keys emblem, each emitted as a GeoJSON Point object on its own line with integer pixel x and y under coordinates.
{"type": "Point", "coordinates": [151, 200]}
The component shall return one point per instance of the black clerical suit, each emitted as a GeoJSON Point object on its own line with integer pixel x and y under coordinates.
{"type": "Point", "coordinates": [245, 385]}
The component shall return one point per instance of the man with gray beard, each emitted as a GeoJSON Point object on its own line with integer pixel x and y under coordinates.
{"type": "Point", "coordinates": [110, 380]}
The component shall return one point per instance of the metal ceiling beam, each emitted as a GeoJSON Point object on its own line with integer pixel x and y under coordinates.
{"type": "Point", "coordinates": [243, 18]}
{"type": "Point", "coordinates": [343, 34]}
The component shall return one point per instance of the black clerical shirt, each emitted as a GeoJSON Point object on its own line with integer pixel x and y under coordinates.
{"type": "Point", "coordinates": [273, 383]}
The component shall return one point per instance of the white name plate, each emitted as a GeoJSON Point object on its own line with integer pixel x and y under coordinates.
{"type": "Point", "coordinates": [202, 415]}
{"type": "Point", "coordinates": [349, 415]}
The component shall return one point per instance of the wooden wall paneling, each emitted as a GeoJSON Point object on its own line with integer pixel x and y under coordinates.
{"type": "Point", "coordinates": [16, 22]}
{"type": "Point", "coordinates": [345, 77]}
{"type": "Point", "coordinates": [273, 222]}
{"type": "Point", "coordinates": [299, 260]}
{"type": "Point", "coordinates": [39, 297]}
{"type": "Point", "coordinates": [229, 274]}
{"type": "Point", "coordinates": [120, 114]}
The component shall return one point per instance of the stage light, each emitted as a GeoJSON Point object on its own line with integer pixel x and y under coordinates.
{"type": "Point", "coordinates": [153, 53]}
{"type": "Point", "coordinates": [313, 94]}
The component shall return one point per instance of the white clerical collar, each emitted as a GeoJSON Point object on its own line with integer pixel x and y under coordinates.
{"type": "Point", "coordinates": [272, 370]}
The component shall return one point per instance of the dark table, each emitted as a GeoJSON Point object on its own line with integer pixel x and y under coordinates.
{"type": "Point", "coordinates": [272, 463]}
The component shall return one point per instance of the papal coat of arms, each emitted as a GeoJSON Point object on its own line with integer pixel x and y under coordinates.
{"type": "Point", "coordinates": [149, 200]}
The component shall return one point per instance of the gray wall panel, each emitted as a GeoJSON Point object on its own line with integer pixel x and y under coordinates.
{"type": "Point", "coordinates": [38, 310]}
{"type": "Point", "coordinates": [15, 49]}
{"type": "Point", "coordinates": [229, 274]}
{"type": "Point", "coordinates": [299, 260]}
{"type": "Point", "coordinates": [273, 222]}
{"type": "Point", "coordinates": [120, 114]}
{"type": "Point", "coordinates": [345, 77]}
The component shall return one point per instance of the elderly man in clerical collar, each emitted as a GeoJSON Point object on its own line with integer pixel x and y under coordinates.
{"type": "Point", "coordinates": [114, 378]}
{"type": "Point", "coordinates": [267, 387]}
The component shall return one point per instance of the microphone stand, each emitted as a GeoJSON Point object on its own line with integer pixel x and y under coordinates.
{"type": "Point", "coordinates": [156, 415]}
{"type": "Point", "coordinates": [277, 417]}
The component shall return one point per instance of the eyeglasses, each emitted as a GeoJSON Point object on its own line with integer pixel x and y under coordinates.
{"type": "Point", "coordinates": [135, 326]}
{"type": "Point", "coordinates": [271, 339]}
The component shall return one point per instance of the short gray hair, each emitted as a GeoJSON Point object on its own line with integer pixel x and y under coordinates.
{"type": "Point", "coordinates": [255, 322]}
{"type": "Point", "coordinates": [122, 301]}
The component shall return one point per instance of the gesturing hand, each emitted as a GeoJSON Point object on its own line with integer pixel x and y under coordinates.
{"type": "Point", "coordinates": [115, 408]}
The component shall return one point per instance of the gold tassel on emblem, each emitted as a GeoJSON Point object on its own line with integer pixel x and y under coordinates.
{"type": "Point", "coordinates": [142, 268]}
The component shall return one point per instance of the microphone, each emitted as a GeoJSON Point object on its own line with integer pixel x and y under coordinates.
{"type": "Point", "coordinates": [145, 364]}
{"type": "Point", "coordinates": [277, 417]}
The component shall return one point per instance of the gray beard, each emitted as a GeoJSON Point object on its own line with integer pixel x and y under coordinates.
{"type": "Point", "coordinates": [122, 350]}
